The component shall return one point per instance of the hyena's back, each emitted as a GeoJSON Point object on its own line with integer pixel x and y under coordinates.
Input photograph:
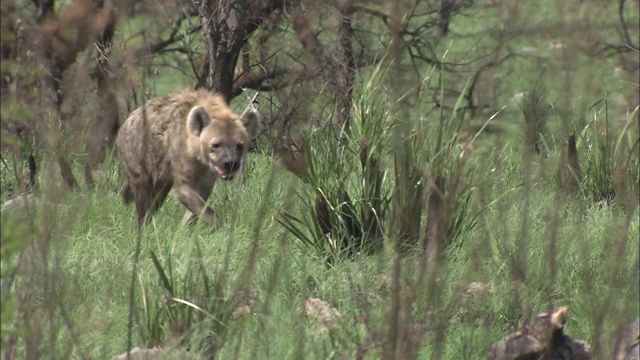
{"type": "Point", "coordinates": [143, 145]}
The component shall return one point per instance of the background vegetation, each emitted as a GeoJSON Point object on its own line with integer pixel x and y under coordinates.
{"type": "Point", "coordinates": [437, 172]}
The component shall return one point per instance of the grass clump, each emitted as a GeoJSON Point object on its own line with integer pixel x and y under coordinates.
{"type": "Point", "coordinates": [370, 191]}
{"type": "Point", "coordinates": [610, 153]}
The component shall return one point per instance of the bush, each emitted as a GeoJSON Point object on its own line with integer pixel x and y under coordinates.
{"type": "Point", "coordinates": [375, 189]}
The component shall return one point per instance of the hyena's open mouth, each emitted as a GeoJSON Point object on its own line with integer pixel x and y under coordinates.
{"type": "Point", "coordinates": [226, 171]}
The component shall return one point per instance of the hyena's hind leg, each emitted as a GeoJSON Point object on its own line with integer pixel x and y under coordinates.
{"type": "Point", "coordinates": [143, 196]}
{"type": "Point", "coordinates": [143, 204]}
{"type": "Point", "coordinates": [127, 194]}
{"type": "Point", "coordinates": [147, 199]}
{"type": "Point", "coordinates": [159, 196]}
{"type": "Point", "coordinates": [88, 177]}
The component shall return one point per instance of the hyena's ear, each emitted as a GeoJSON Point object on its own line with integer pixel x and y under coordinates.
{"type": "Point", "coordinates": [251, 121]}
{"type": "Point", "coordinates": [197, 119]}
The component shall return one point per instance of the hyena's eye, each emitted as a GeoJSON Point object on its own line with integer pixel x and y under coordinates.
{"type": "Point", "coordinates": [215, 146]}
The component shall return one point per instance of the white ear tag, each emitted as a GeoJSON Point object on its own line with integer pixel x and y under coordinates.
{"type": "Point", "coordinates": [250, 109]}
{"type": "Point", "coordinates": [251, 101]}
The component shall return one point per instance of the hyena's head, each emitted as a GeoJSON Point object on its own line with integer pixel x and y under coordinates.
{"type": "Point", "coordinates": [223, 137]}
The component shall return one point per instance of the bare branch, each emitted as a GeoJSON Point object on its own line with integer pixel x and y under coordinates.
{"type": "Point", "coordinates": [625, 28]}
{"type": "Point", "coordinates": [310, 42]}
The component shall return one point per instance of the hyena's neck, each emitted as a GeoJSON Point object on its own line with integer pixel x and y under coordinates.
{"type": "Point", "coordinates": [192, 148]}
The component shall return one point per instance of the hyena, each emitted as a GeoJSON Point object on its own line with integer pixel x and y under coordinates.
{"type": "Point", "coordinates": [183, 141]}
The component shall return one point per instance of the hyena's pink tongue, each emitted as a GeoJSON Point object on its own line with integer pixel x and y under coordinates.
{"type": "Point", "coordinates": [221, 171]}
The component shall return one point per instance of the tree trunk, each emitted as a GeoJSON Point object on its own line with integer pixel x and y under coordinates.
{"type": "Point", "coordinates": [348, 70]}
{"type": "Point", "coordinates": [223, 26]}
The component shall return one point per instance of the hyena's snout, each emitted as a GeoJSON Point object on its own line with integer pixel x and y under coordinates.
{"type": "Point", "coordinates": [229, 164]}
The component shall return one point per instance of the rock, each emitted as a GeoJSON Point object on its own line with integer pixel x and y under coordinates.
{"type": "Point", "coordinates": [479, 289]}
{"type": "Point", "coordinates": [20, 200]}
{"type": "Point", "coordinates": [140, 354]}
{"type": "Point", "coordinates": [322, 312]}
{"type": "Point", "coordinates": [243, 311]}
{"type": "Point", "coordinates": [156, 353]}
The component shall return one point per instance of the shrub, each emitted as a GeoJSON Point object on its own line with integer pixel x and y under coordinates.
{"type": "Point", "coordinates": [372, 191]}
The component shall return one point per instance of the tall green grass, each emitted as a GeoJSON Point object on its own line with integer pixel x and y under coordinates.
{"type": "Point", "coordinates": [238, 290]}
{"type": "Point", "coordinates": [515, 243]}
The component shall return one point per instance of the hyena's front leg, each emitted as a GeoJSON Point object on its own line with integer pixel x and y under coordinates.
{"type": "Point", "coordinates": [194, 198]}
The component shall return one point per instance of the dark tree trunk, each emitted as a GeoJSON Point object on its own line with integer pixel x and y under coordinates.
{"type": "Point", "coordinates": [444, 16]}
{"type": "Point", "coordinates": [107, 121]}
{"type": "Point", "coordinates": [223, 27]}
{"type": "Point", "coordinates": [44, 7]}
{"type": "Point", "coordinates": [434, 239]}
{"type": "Point", "coordinates": [573, 163]}
{"type": "Point", "coordinates": [348, 70]}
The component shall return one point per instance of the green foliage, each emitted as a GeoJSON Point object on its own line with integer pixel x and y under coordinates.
{"type": "Point", "coordinates": [610, 158]}
{"type": "Point", "coordinates": [536, 110]}
{"type": "Point", "coordinates": [193, 283]}
{"type": "Point", "coordinates": [11, 245]}
{"type": "Point", "coordinates": [190, 302]}
{"type": "Point", "coordinates": [347, 200]}
{"type": "Point", "coordinates": [67, 259]}
{"type": "Point", "coordinates": [373, 188]}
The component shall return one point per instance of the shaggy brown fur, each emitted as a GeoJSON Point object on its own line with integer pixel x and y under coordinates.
{"type": "Point", "coordinates": [183, 141]}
